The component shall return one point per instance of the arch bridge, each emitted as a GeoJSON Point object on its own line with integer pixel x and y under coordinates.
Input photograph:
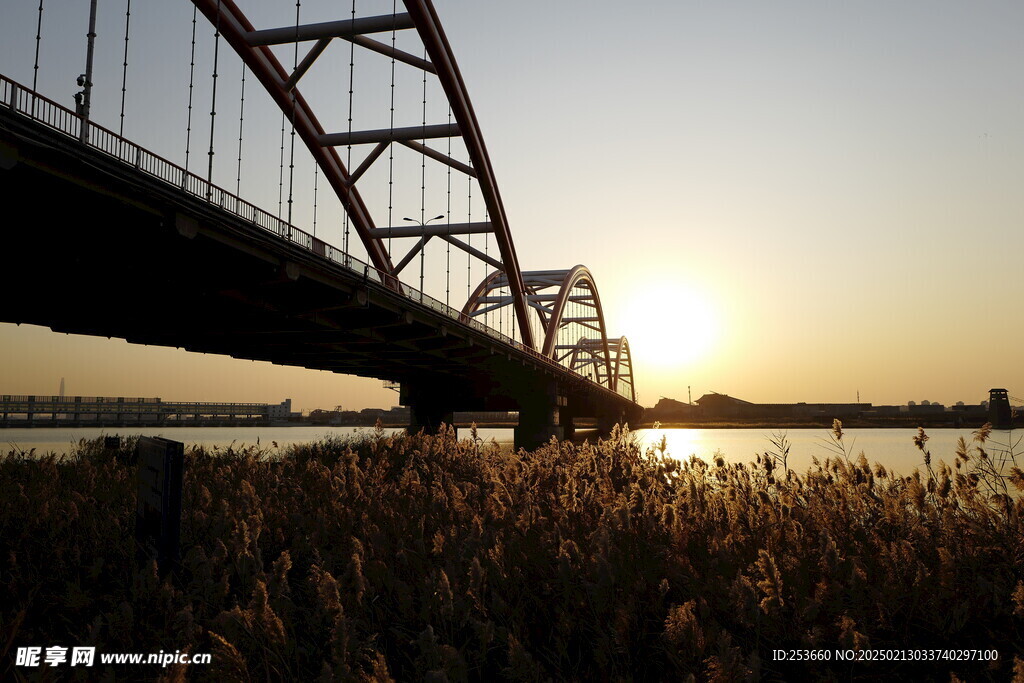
{"type": "Point", "coordinates": [143, 233]}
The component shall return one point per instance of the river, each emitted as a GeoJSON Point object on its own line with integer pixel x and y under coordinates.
{"type": "Point", "coordinates": [893, 448]}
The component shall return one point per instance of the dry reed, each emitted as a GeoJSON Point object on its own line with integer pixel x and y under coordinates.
{"type": "Point", "coordinates": [427, 558]}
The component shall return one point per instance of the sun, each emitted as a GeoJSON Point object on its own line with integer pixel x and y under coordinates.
{"type": "Point", "coordinates": [669, 324]}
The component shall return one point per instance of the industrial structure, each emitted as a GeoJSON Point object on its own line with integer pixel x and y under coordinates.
{"type": "Point", "coordinates": [120, 411]}
{"type": "Point", "coordinates": [716, 407]}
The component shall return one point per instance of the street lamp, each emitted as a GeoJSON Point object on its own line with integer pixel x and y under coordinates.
{"type": "Point", "coordinates": [423, 244]}
{"type": "Point", "coordinates": [85, 80]}
{"type": "Point", "coordinates": [413, 220]}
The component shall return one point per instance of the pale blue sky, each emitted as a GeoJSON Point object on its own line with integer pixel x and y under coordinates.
{"type": "Point", "coordinates": [838, 182]}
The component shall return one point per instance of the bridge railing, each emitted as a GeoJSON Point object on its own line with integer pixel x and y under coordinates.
{"type": "Point", "coordinates": [25, 101]}
{"type": "Point", "coordinates": [19, 98]}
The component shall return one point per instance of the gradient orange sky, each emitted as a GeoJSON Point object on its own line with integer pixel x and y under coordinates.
{"type": "Point", "coordinates": [787, 201]}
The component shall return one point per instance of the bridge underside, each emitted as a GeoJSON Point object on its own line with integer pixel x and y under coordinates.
{"type": "Point", "coordinates": [94, 247]}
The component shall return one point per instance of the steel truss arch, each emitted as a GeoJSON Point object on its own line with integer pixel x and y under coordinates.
{"type": "Point", "coordinates": [587, 356]}
{"type": "Point", "coordinates": [623, 367]}
{"type": "Point", "coordinates": [548, 293]}
{"type": "Point", "coordinates": [253, 46]}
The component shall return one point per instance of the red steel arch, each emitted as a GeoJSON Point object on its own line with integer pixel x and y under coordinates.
{"type": "Point", "coordinates": [253, 46]}
{"type": "Point", "coordinates": [548, 292]}
{"type": "Point", "coordinates": [623, 367]}
{"type": "Point", "coordinates": [578, 276]}
{"type": "Point", "coordinates": [588, 353]}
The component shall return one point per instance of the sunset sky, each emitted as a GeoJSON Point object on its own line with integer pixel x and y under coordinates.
{"type": "Point", "coordinates": [782, 201]}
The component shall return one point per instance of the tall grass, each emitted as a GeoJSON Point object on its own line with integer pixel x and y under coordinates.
{"type": "Point", "coordinates": [428, 558]}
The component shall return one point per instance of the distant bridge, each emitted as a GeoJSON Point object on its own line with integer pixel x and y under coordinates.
{"type": "Point", "coordinates": [105, 237]}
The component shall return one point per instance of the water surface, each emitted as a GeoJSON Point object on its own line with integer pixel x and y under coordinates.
{"type": "Point", "coordinates": [893, 448]}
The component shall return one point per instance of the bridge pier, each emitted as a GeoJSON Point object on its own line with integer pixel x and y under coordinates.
{"type": "Point", "coordinates": [568, 421]}
{"type": "Point", "coordinates": [540, 418]}
{"type": "Point", "coordinates": [607, 419]}
{"type": "Point", "coordinates": [428, 417]}
{"type": "Point", "coordinates": [428, 409]}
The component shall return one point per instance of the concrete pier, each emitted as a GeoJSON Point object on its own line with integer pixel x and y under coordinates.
{"type": "Point", "coordinates": [540, 418]}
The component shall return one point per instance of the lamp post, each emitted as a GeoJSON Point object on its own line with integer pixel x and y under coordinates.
{"type": "Point", "coordinates": [84, 98]}
{"type": "Point", "coordinates": [423, 244]}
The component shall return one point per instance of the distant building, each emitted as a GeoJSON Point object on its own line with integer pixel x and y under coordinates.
{"type": "Point", "coordinates": [885, 411]}
{"type": "Point", "coordinates": [1000, 414]}
{"type": "Point", "coordinates": [371, 414]}
{"type": "Point", "coordinates": [716, 405]}
{"type": "Point", "coordinates": [723, 405]}
{"type": "Point", "coordinates": [669, 410]}
{"type": "Point", "coordinates": [101, 411]}
{"type": "Point", "coordinates": [280, 411]}
{"type": "Point", "coordinates": [397, 415]}
{"type": "Point", "coordinates": [926, 408]}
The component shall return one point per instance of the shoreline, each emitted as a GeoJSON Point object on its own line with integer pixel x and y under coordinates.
{"type": "Point", "coordinates": [895, 423]}
{"type": "Point", "coordinates": [854, 423]}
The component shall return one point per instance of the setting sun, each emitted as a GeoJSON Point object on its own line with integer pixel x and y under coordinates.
{"type": "Point", "coordinates": [671, 324]}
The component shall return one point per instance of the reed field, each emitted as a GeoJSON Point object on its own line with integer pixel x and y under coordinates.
{"type": "Point", "coordinates": [428, 558]}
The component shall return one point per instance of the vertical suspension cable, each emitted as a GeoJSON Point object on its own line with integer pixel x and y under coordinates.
{"type": "Point", "coordinates": [280, 172]}
{"type": "Point", "coordinates": [469, 237]}
{"type": "Point", "coordinates": [241, 120]}
{"type": "Point", "coordinates": [316, 182]}
{"type": "Point", "coordinates": [351, 90]}
{"type": "Point", "coordinates": [191, 83]}
{"type": "Point", "coordinates": [391, 125]}
{"type": "Point", "coordinates": [213, 104]}
{"type": "Point", "coordinates": [423, 181]}
{"type": "Point", "coordinates": [448, 213]}
{"type": "Point", "coordinates": [561, 332]}
{"type": "Point", "coordinates": [35, 65]}
{"type": "Point", "coordinates": [291, 153]}
{"type": "Point", "coordinates": [486, 234]}
{"type": "Point", "coordinates": [124, 71]}
{"type": "Point", "coordinates": [573, 330]}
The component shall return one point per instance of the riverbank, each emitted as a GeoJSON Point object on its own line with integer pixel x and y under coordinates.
{"type": "Point", "coordinates": [414, 558]}
{"type": "Point", "coordinates": [940, 421]}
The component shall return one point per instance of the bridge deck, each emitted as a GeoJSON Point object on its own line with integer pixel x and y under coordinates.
{"type": "Point", "coordinates": [98, 247]}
